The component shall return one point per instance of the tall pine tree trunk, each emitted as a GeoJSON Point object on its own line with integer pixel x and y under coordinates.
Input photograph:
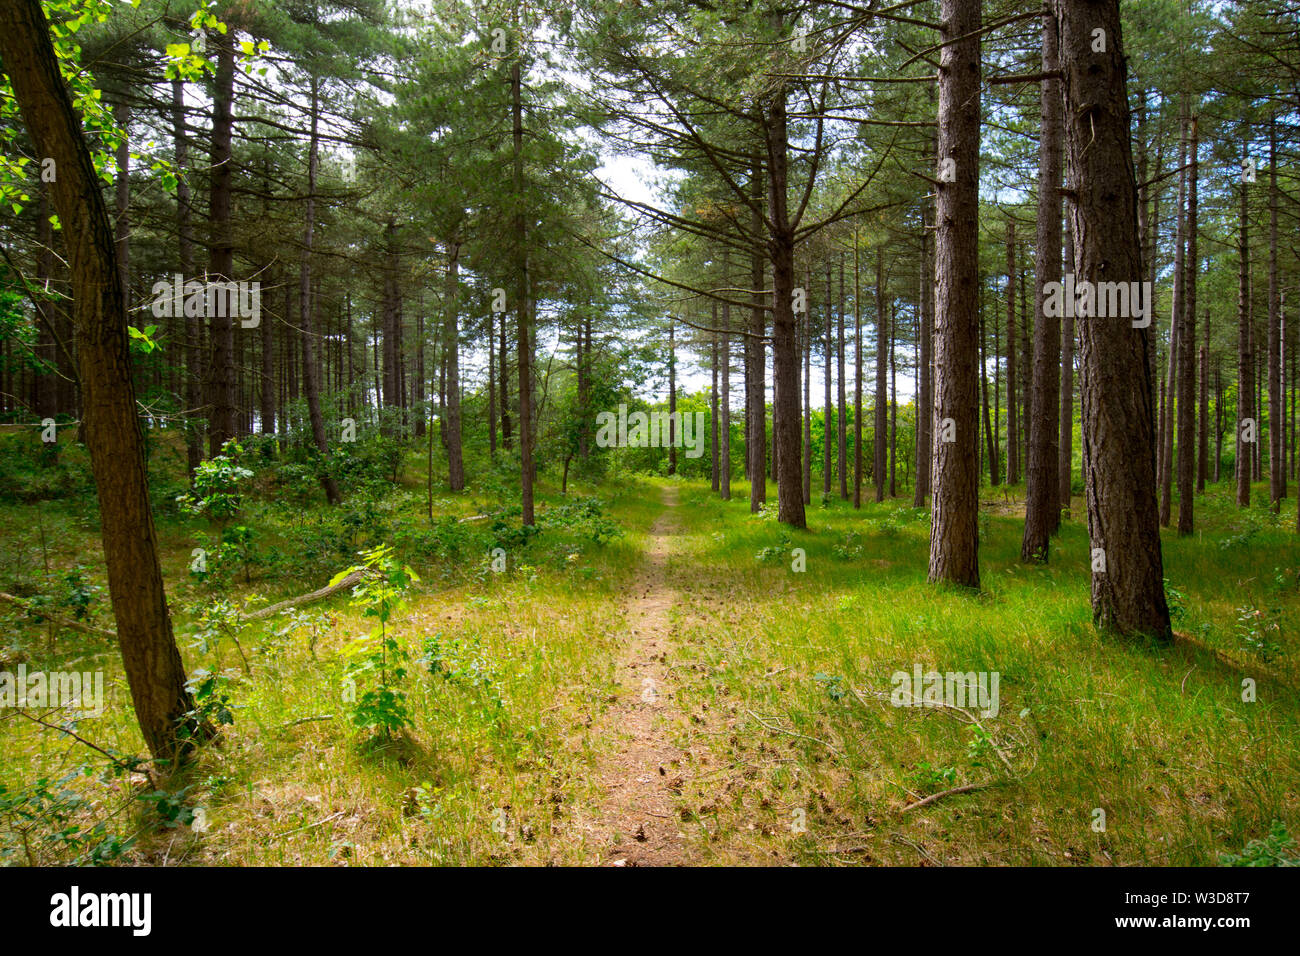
{"type": "Point", "coordinates": [221, 257]}
{"type": "Point", "coordinates": [451, 360]}
{"type": "Point", "coordinates": [1013, 424]}
{"type": "Point", "coordinates": [881, 423]}
{"type": "Point", "coordinates": [785, 349]}
{"type": "Point", "coordinates": [1128, 594]}
{"type": "Point", "coordinates": [307, 307]}
{"type": "Point", "coordinates": [1187, 359]}
{"type": "Point", "coordinates": [1247, 427]}
{"type": "Point", "coordinates": [1276, 416]}
{"type": "Point", "coordinates": [954, 526]}
{"type": "Point", "coordinates": [1042, 483]}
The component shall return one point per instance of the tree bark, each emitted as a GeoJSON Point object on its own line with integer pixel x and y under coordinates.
{"type": "Point", "coordinates": [724, 478]}
{"type": "Point", "coordinates": [713, 403]}
{"type": "Point", "coordinates": [1172, 398]}
{"type": "Point", "coordinates": [451, 358]}
{"type": "Point", "coordinates": [755, 410]}
{"type": "Point", "coordinates": [672, 395]}
{"type": "Point", "coordinates": [828, 354]}
{"type": "Point", "coordinates": [785, 350]}
{"type": "Point", "coordinates": [925, 384]}
{"type": "Point", "coordinates": [523, 293]}
{"type": "Point", "coordinates": [1128, 594]}
{"type": "Point", "coordinates": [307, 308]}
{"type": "Point", "coordinates": [954, 525]}
{"type": "Point", "coordinates": [1187, 358]}
{"type": "Point", "coordinates": [841, 420]}
{"type": "Point", "coordinates": [1245, 361]}
{"type": "Point", "coordinates": [221, 258]}
{"type": "Point", "coordinates": [857, 374]}
{"type": "Point", "coordinates": [881, 423]}
{"type": "Point", "coordinates": [1013, 424]}
{"type": "Point", "coordinates": [1276, 416]}
{"type": "Point", "coordinates": [111, 424]}
{"type": "Point", "coordinates": [1042, 482]}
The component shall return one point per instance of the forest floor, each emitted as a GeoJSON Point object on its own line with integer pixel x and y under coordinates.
{"type": "Point", "coordinates": [660, 677]}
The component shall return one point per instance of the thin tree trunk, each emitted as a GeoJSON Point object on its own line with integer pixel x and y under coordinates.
{"type": "Point", "coordinates": [1042, 483]}
{"type": "Point", "coordinates": [1203, 415]}
{"type": "Point", "coordinates": [841, 420]}
{"type": "Point", "coordinates": [1013, 424]}
{"type": "Point", "coordinates": [1276, 415]}
{"type": "Point", "coordinates": [755, 362]}
{"type": "Point", "coordinates": [1246, 425]}
{"type": "Point", "coordinates": [806, 346]}
{"type": "Point", "coordinates": [307, 308]}
{"type": "Point", "coordinates": [925, 396]}
{"type": "Point", "coordinates": [724, 476]}
{"type": "Point", "coordinates": [1172, 398]}
{"type": "Point", "coordinates": [857, 374]}
{"type": "Point", "coordinates": [451, 361]}
{"type": "Point", "coordinates": [672, 396]}
{"type": "Point", "coordinates": [881, 423]}
{"type": "Point", "coordinates": [1187, 359]}
{"type": "Point", "coordinates": [893, 401]}
{"type": "Point", "coordinates": [713, 403]}
{"type": "Point", "coordinates": [221, 259]}
{"type": "Point", "coordinates": [828, 354]}
{"type": "Point", "coordinates": [523, 304]}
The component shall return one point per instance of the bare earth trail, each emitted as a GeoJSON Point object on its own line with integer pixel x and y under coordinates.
{"type": "Point", "coordinates": [637, 823]}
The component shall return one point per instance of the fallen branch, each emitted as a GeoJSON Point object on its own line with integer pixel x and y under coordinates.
{"type": "Point", "coordinates": [265, 612]}
{"type": "Point", "coordinates": [324, 592]}
{"type": "Point", "coordinates": [31, 608]}
{"type": "Point", "coordinates": [967, 788]}
{"type": "Point", "coordinates": [305, 720]}
{"type": "Point", "coordinates": [791, 733]}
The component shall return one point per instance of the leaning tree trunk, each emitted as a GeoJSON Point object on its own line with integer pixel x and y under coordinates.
{"type": "Point", "coordinates": [1042, 483]}
{"type": "Point", "coordinates": [151, 660]}
{"type": "Point", "coordinates": [1128, 594]}
{"type": "Point", "coordinates": [954, 526]}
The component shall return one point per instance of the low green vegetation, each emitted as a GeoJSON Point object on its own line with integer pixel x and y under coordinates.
{"type": "Point", "coordinates": [446, 708]}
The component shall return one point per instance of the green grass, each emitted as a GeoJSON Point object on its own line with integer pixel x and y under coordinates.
{"type": "Point", "coordinates": [1158, 738]}
{"type": "Point", "coordinates": [791, 749]}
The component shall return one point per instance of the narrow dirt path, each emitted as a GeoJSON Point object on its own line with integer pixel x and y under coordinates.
{"type": "Point", "coordinates": [636, 823]}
